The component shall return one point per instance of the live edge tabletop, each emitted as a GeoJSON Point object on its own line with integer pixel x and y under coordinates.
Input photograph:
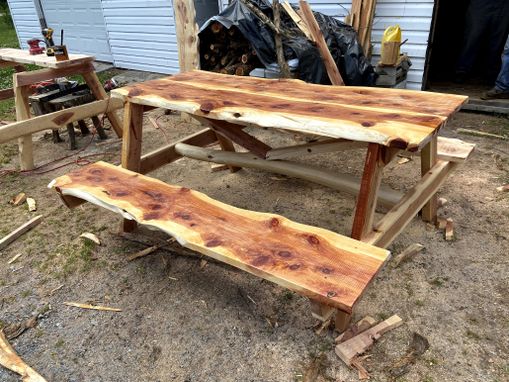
{"type": "Point", "coordinates": [403, 119]}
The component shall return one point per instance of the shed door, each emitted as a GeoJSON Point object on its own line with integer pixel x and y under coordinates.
{"type": "Point", "coordinates": [83, 25]}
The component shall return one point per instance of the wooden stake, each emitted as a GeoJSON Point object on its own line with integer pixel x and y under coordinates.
{"type": "Point", "coordinates": [6, 240]}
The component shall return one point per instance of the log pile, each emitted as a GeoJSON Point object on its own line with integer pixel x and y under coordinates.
{"type": "Point", "coordinates": [227, 51]}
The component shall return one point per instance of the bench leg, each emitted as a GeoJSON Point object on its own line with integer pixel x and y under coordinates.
{"type": "Point", "coordinates": [342, 321]}
{"type": "Point", "coordinates": [131, 146]}
{"type": "Point", "coordinates": [83, 127]}
{"type": "Point", "coordinates": [428, 160]}
{"type": "Point", "coordinates": [99, 128]}
{"type": "Point", "coordinates": [72, 136]}
{"type": "Point", "coordinates": [368, 193]}
{"type": "Point", "coordinates": [26, 156]}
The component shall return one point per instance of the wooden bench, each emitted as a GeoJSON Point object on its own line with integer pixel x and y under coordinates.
{"type": "Point", "coordinates": [324, 266]}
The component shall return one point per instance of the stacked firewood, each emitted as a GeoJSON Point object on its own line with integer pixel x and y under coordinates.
{"type": "Point", "coordinates": [226, 51]}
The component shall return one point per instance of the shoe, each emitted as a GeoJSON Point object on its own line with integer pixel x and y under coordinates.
{"type": "Point", "coordinates": [495, 94]}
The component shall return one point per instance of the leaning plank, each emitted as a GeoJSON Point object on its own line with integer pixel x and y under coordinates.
{"type": "Point", "coordinates": [6, 240]}
{"type": "Point", "coordinates": [187, 34]}
{"type": "Point", "coordinates": [389, 227]}
{"type": "Point", "coordinates": [343, 182]}
{"type": "Point", "coordinates": [314, 29]}
{"type": "Point", "coordinates": [10, 360]}
{"type": "Point", "coordinates": [57, 119]}
{"type": "Point", "coordinates": [357, 345]}
{"type": "Point", "coordinates": [315, 262]}
{"type": "Point", "coordinates": [297, 20]}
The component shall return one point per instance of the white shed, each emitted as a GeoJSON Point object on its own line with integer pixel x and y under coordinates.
{"type": "Point", "coordinates": [140, 34]}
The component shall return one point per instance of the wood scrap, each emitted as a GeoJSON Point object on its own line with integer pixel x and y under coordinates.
{"type": "Point", "coordinates": [359, 327]}
{"type": "Point", "coordinates": [404, 160]}
{"type": "Point", "coordinates": [32, 205]}
{"type": "Point", "coordinates": [12, 361]}
{"type": "Point", "coordinates": [449, 229]}
{"type": "Point", "coordinates": [6, 240]}
{"type": "Point", "coordinates": [92, 307]}
{"type": "Point", "coordinates": [143, 253]}
{"type": "Point", "coordinates": [478, 133]}
{"type": "Point", "coordinates": [154, 123]}
{"type": "Point", "coordinates": [357, 364]}
{"type": "Point", "coordinates": [13, 331]}
{"type": "Point", "coordinates": [203, 263]}
{"type": "Point", "coordinates": [18, 199]}
{"type": "Point", "coordinates": [219, 167]}
{"type": "Point", "coordinates": [297, 20]}
{"type": "Point", "coordinates": [504, 188]}
{"type": "Point", "coordinates": [357, 345]}
{"type": "Point", "coordinates": [314, 29]}
{"type": "Point", "coordinates": [441, 202]}
{"type": "Point", "coordinates": [90, 236]}
{"type": "Point", "coordinates": [417, 348]}
{"type": "Point", "coordinates": [441, 222]}
{"type": "Point", "coordinates": [16, 257]}
{"type": "Point", "coordinates": [407, 254]}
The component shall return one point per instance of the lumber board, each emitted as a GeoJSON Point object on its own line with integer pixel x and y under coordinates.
{"type": "Point", "coordinates": [24, 57]}
{"type": "Point", "coordinates": [21, 230]}
{"type": "Point", "coordinates": [398, 118]}
{"type": "Point", "coordinates": [6, 94]}
{"type": "Point", "coordinates": [31, 77]}
{"type": "Point", "coordinates": [25, 144]}
{"type": "Point", "coordinates": [332, 179]}
{"type": "Point", "coordinates": [187, 34]}
{"type": "Point", "coordinates": [314, 29]}
{"type": "Point", "coordinates": [390, 226]}
{"type": "Point", "coordinates": [357, 345]}
{"type": "Point", "coordinates": [57, 119]}
{"type": "Point", "coordinates": [428, 160]}
{"type": "Point", "coordinates": [167, 154]}
{"type": "Point", "coordinates": [320, 264]}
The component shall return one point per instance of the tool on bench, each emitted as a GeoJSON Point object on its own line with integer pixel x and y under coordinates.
{"type": "Point", "coordinates": [34, 47]}
{"type": "Point", "coordinates": [60, 51]}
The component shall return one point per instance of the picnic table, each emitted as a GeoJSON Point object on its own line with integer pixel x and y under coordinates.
{"type": "Point", "coordinates": [331, 269]}
{"type": "Point", "coordinates": [77, 64]}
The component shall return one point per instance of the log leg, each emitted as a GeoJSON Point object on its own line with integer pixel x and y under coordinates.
{"type": "Point", "coordinates": [131, 146]}
{"type": "Point", "coordinates": [98, 91]}
{"type": "Point", "coordinates": [227, 145]}
{"type": "Point", "coordinates": [321, 311]}
{"type": "Point", "coordinates": [72, 136]}
{"type": "Point", "coordinates": [342, 321]}
{"type": "Point", "coordinates": [26, 156]}
{"type": "Point", "coordinates": [366, 200]}
{"type": "Point", "coordinates": [99, 128]}
{"type": "Point", "coordinates": [428, 160]}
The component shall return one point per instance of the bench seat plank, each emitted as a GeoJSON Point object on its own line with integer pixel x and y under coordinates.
{"type": "Point", "coordinates": [320, 264]}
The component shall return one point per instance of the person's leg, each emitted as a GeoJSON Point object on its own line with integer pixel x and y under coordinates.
{"type": "Point", "coordinates": [502, 82]}
{"type": "Point", "coordinates": [497, 37]}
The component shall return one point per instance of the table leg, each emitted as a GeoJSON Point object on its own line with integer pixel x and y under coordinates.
{"type": "Point", "coordinates": [131, 146]}
{"type": "Point", "coordinates": [98, 91]}
{"type": "Point", "coordinates": [428, 160]}
{"type": "Point", "coordinates": [227, 145]}
{"type": "Point", "coordinates": [366, 200]}
{"type": "Point", "coordinates": [21, 93]}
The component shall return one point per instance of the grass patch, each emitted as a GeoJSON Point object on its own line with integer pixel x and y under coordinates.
{"type": "Point", "coordinates": [71, 258]}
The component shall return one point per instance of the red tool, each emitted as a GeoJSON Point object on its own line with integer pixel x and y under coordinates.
{"type": "Point", "coordinates": [34, 46]}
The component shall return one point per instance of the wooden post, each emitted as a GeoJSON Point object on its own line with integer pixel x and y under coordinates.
{"type": "Point", "coordinates": [187, 38]}
{"type": "Point", "coordinates": [131, 146]}
{"type": "Point", "coordinates": [21, 93]}
{"type": "Point", "coordinates": [428, 160]}
{"type": "Point", "coordinates": [98, 91]}
{"type": "Point", "coordinates": [370, 183]}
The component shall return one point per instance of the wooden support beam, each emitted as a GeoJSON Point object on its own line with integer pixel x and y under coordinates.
{"type": "Point", "coordinates": [367, 198]}
{"type": "Point", "coordinates": [167, 154]}
{"type": "Point", "coordinates": [428, 160]}
{"type": "Point", "coordinates": [325, 146]}
{"type": "Point", "coordinates": [235, 134]}
{"type": "Point", "coordinates": [390, 226]}
{"type": "Point", "coordinates": [100, 94]}
{"type": "Point", "coordinates": [34, 76]}
{"type": "Point", "coordinates": [6, 240]}
{"type": "Point", "coordinates": [6, 94]}
{"type": "Point", "coordinates": [343, 182]}
{"type": "Point", "coordinates": [57, 119]}
{"type": "Point", "coordinates": [314, 28]}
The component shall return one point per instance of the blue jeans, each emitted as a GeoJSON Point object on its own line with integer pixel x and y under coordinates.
{"type": "Point", "coordinates": [502, 82]}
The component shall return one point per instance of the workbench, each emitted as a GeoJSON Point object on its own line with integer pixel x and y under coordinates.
{"type": "Point", "coordinates": [330, 269]}
{"type": "Point", "coordinates": [77, 64]}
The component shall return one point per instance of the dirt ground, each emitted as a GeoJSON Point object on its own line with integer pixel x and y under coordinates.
{"type": "Point", "coordinates": [183, 322]}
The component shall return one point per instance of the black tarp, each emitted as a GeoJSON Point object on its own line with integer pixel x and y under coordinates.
{"type": "Point", "coordinates": [341, 40]}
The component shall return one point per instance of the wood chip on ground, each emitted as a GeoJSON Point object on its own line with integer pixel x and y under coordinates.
{"type": "Point", "coordinates": [92, 307]}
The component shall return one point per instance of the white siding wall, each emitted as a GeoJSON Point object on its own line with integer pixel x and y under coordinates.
{"type": "Point", "coordinates": [25, 19]}
{"type": "Point", "coordinates": [142, 34]}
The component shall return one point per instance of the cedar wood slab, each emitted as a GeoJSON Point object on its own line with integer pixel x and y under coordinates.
{"type": "Point", "coordinates": [403, 119]}
{"type": "Point", "coordinates": [315, 262]}
{"type": "Point", "coordinates": [21, 56]}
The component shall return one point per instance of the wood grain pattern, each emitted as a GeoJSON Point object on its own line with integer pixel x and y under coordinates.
{"type": "Point", "coordinates": [397, 118]}
{"type": "Point", "coordinates": [24, 57]}
{"type": "Point", "coordinates": [317, 263]}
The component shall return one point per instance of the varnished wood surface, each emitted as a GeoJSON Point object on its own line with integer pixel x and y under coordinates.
{"type": "Point", "coordinates": [24, 57]}
{"type": "Point", "coordinates": [315, 262]}
{"type": "Point", "coordinates": [398, 118]}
